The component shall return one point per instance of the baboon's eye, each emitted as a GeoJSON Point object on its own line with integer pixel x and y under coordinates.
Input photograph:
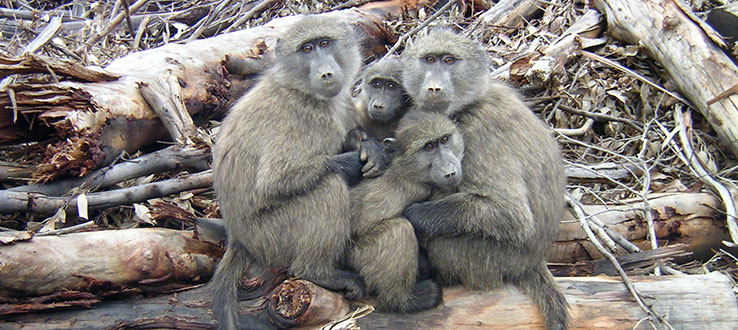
{"type": "Point", "coordinates": [324, 43]}
{"type": "Point", "coordinates": [429, 146]}
{"type": "Point", "coordinates": [430, 59]}
{"type": "Point", "coordinates": [391, 85]}
{"type": "Point", "coordinates": [448, 59]}
{"type": "Point", "coordinates": [306, 48]}
{"type": "Point", "coordinates": [444, 139]}
{"type": "Point", "coordinates": [376, 84]}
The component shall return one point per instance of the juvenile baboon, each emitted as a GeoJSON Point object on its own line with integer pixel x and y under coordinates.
{"type": "Point", "coordinates": [501, 223]}
{"type": "Point", "coordinates": [426, 155]}
{"type": "Point", "coordinates": [382, 100]}
{"type": "Point", "coordinates": [276, 171]}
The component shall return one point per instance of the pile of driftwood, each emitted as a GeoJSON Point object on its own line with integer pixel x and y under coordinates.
{"type": "Point", "coordinates": [109, 110]}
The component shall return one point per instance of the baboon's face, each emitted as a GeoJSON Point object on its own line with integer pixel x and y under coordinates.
{"type": "Point", "coordinates": [432, 81]}
{"type": "Point", "coordinates": [441, 158]}
{"type": "Point", "coordinates": [385, 99]}
{"type": "Point", "coordinates": [321, 65]}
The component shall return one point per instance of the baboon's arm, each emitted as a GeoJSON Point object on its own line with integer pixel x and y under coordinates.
{"type": "Point", "coordinates": [500, 215]}
{"type": "Point", "coordinates": [280, 178]}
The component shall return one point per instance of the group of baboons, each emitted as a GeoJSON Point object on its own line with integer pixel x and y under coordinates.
{"type": "Point", "coordinates": [469, 190]}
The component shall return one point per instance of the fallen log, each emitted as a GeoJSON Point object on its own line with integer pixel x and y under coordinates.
{"type": "Point", "coordinates": [148, 260]}
{"type": "Point", "coordinates": [687, 302]}
{"type": "Point", "coordinates": [671, 34]}
{"type": "Point", "coordinates": [102, 119]}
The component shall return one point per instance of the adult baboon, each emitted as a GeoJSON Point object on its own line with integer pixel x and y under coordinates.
{"type": "Point", "coordinates": [426, 155]}
{"type": "Point", "coordinates": [501, 223]}
{"type": "Point", "coordinates": [382, 101]}
{"type": "Point", "coordinates": [276, 171]}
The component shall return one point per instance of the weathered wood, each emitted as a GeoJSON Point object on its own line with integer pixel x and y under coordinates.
{"type": "Point", "coordinates": [690, 218]}
{"type": "Point", "coordinates": [688, 302]}
{"type": "Point", "coordinates": [698, 67]}
{"type": "Point", "coordinates": [19, 201]}
{"type": "Point", "coordinates": [105, 118]}
{"type": "Point", "coordinates": [152, 260]}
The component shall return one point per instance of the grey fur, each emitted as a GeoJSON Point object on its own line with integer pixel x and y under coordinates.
{"type": "Point", "coordinates": [384, 249]}
{"type": "Point", "coordinates": [500, 225]}
{"type": "Point", "coordinates": [281, 206]}
{"type": "Point", "coordinates": [380, 107]}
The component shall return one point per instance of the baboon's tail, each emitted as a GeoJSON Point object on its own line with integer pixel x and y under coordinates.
{"type": "Point", "coordinates": [223, 287]}
{"type": "Point", "coordinates": [544, 291]}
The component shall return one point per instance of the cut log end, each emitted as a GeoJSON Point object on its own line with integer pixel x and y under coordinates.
{"type": "Point", "coordinates": [299, 303]}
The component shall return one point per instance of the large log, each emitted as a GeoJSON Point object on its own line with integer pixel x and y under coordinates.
{"type": "Point", "coordinates": [672, 35]}
{"type": "Point", "coordinates": [687, 302]}
{"type": "Point", "coordinates": [101, 119]}
{"type": "Point", "coordinates": [149, 260]}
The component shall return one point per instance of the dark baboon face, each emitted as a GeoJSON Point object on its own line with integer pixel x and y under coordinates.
{"type": "Point", "coordinates": [431, 148]}
{"type": "Point", "coordinates": [385, 99]}
{"type": "Point", "coordinates": [444, 71]}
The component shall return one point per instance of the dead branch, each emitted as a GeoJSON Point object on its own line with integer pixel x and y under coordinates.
{"type": "Point", "coordinates": [15, 201]}
{"type": "Point", "coordinates": [167, 159]}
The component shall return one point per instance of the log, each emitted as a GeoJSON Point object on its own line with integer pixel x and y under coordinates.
{"type": "Point", "coordinates": [102, 119]}
{"type": "Point", "coordinates": [665, 30]}
{"type": "Point", "coordinates": [149, 260]}
{"type": "Point", "coordinates": [688, 302]}
{"type": "Point", "coordinates": [690, 218]}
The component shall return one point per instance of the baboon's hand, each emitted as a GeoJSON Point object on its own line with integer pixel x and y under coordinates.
{"type": "Point", "coordinates": [427, 220]}
{"type": "Point", "coordinates": [348, 165]}
{"type": "Point", "coordinates": [373, 156]}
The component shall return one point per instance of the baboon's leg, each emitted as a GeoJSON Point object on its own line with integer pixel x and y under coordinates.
{"type": "Point", "coordinates": [323, 218]}
{"type": "Point", "coordinates": [387, 259]}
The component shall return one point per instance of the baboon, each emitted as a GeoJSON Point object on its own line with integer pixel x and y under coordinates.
{"type": "Point", "coordinates": [425, 156]}
{"type": "Point", "coordinates": [500, 225]}
{"type": "Point", "coordinates": [382, 101]}
{"type": "Point", "coordinates": [277, 172]}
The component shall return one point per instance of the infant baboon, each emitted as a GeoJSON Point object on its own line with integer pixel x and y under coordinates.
{"type": "Point", "coordinates": [382, 101]}
{"type": "Point", "coordinates": [275, 169]}
{"type": "Point", "coordinates": [426, 155]}
{"type": "Point", "coordinates": [501, 223]}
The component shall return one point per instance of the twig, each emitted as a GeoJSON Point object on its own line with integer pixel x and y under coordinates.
{"type": "Point", "coordinates": [140, 32]}
{"type": "Point", "coordinates": [705, 177]}
{"type": "Point", "coordinates": [600, 116]}
{"type": "Point", "coordinates": [576, 131]}
{"type": "Point", "coordinates": [415, 30]}
{"type": "Point", "coordinates": [621, 68]}
{"type": "Point", "coordinates": [578, 212]}
{"type": "Point", "coordinates": [128, 16]}
{"type": "Point", "coordinates": [253, 11]}
{"type": "Point", "coordinates": [349, 4]}
{"type": "Point", "coordinates": [114, 22]}
{"type": "Point", "coordinates": [73, 229]}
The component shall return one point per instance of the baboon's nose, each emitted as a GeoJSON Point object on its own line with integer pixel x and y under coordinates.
{"type": "Point", "coordinates": [378, 106]}
{"type": "Point", "coordinates": [327, 76]}
{"type": "Point", "coordinates": [434, 89]}
{"type": "Point", "coordinates": [450, 174]}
